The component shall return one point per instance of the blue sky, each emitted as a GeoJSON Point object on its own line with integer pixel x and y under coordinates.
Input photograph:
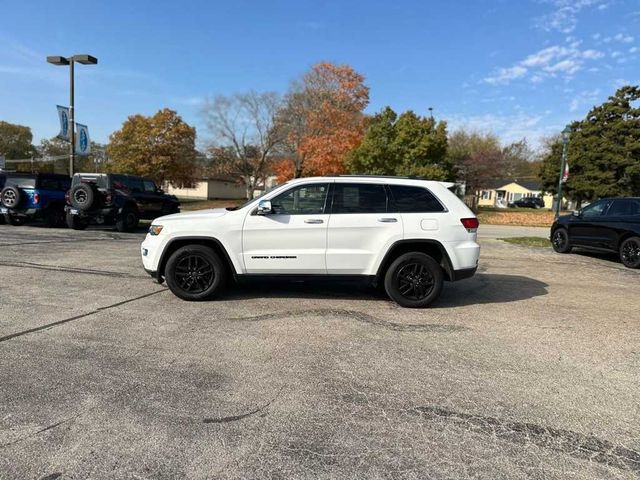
{"type": "Point", "coordinates": [517, 68]}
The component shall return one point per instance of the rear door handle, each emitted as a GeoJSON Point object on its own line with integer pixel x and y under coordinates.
{"type": "Point", "coordinates": [388, 220]}
{"type": "Point", "coordinates": [314, 220]}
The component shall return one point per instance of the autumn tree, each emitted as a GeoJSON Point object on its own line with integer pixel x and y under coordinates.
{"type": "Point", "coordinates": [603, 152]}
{"type": "Point", "coordinates": [161, 147]}
{"type": "Point", "coordinates": [15, 141]}
{"type": "Point", "coordinates": [322, 119]}
{"type": "Point", "coordinates": [245, 136]}
{"type": "Point", "coordinates": [408, 144]}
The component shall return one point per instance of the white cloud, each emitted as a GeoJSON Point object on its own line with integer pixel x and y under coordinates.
{"type": "Point", "coordinates": [584, 98]}
{"type": "Point", "coordinates": [505, 75]}
{"type": "Point", "coordinates": [564, 17]}
{"type": "Point", "coordinates": [616, 54]}
{"type": "Point", "coordinates": [551, 61]}
{"type": "Point", "coordinates": [620, 37]}
{"type": "Point", "coordinates": [509, 128]}
{"type": "Point", "coordinates": [633, 49]}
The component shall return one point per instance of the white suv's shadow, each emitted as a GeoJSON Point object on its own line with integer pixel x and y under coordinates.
{"type": "Point", "coordinates": [483, 288]}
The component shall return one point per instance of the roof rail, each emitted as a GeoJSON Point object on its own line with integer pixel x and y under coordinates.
{"type": "Point", "coordinates": [407, 177]}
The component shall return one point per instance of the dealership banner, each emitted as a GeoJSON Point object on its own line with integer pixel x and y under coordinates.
{"type": "Point", "coordinates": [63, 114]}
{"type": "Point", "coordinates": [83, 145]}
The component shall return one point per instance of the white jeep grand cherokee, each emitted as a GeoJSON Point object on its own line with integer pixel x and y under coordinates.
{"type": "Point", "coordinates": [406, 234]}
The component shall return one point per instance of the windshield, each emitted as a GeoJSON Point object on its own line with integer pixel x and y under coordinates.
{"type": "Point", "coordinates": [238, 207]}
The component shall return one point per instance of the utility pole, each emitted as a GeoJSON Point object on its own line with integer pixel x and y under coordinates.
{"type": "Point", "coordinates": [565, 142]}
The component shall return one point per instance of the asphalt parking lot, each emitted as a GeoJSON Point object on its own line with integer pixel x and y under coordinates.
{"type": "Point", "coordinates": [531, 369]}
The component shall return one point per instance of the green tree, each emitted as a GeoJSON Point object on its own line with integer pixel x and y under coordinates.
{"type": "Point", "coordinates": [603, 152]}
{"type": "Point", "coordinates": [407, 144]}
{"type": "Point", "coordinates": [15, 141]}
{"type": "Point", "coordinates": [161, 147]}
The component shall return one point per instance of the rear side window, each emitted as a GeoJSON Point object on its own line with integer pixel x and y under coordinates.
{"type": "Point", "coordinates": [21, 182]}
{"type": "Point", "coordinates": [54, 183]}
{"type": "Point", "coordinates": [625, 207]}
{"type": "Point", "coordinates": [359, 198]}
{"type": "Point", "coordinates": [414, 199]}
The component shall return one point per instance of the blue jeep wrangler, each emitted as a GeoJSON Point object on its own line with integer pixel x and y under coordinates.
{"type": "Point", "coordinates": [29, 196]}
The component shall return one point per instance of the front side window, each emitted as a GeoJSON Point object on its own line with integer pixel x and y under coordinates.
{"type": "Point", "coordinates": [149, 186]}
{"type": "Point", "coordinates": [134, 184]}
{"type": "Point", "coordinates": [414, 199]}
{"type": "Point", "coordinates": [302, 200]}
{"type": "Point", "coordinates": [359, 198]}
{"type": "Point", "coordinates": [595, 209]}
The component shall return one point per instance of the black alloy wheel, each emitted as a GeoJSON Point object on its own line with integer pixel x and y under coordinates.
{"type": "Point", "coordinates": [414, 280]}
{"type": "Point", "coordinates": [560, 241]}
{"type": "Point", "coordinates": [630, 252]}
{"type": "Point", "coordinates": [194, 272]}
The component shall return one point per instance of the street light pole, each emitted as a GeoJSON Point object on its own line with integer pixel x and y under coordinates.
{"type": "Point", "coordinates": [59, 60]}
{"type": "Point", "coordinates": [72, 137]}
{"type": "Point", "coordinates": [563, 163]}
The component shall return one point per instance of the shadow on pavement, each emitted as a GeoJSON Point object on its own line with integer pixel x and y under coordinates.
{"type": "Point", "coordinates": [486, 288]}
{"type": "Point", "coordinates": [483, 288]}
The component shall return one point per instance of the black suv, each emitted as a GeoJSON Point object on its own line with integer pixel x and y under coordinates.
{"type": "Point", "coordinates": [611, 224]}
{"type": "Point", "coordinates": [29, 196]}
{"type": "Point", "coordinates": [528, 202]}
{"type": "Point", "coordinates": [109, 198]}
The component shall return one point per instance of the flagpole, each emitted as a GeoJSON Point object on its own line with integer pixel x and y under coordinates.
{"type": "Point", "coordinates": [563, 163]}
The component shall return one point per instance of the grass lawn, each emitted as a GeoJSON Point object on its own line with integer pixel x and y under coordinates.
{"type": "Point", "coordinates": [537, 242]}
{"type": "Point", "coordinates": [188, 204]}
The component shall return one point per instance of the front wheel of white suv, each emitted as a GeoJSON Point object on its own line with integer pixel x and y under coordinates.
{"type": "Point", "coordinates": [414, 280]}
{"type": "Point", "coordinates": [195, 272]}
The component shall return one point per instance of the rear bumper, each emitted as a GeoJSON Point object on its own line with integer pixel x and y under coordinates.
{"type": "Point", "coordinates": [463, 273]}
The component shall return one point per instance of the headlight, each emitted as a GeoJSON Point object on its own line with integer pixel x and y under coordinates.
{"type": "Point", "coordinates": [155, 229]}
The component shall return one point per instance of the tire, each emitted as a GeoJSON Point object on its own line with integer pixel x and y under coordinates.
{"type": "Point", "coordinates": [76, 223]}
{"type": "Point", "coordinates": [182, 270]}
{"type": "Point", "coordinates": [11, 220]}
{"type": "Point", "coordinates": [560, 240]}
{"type": "Point", "coordinates": [82, 196]}
{"type": "Point", "coordinates": [128, 220]}
{"type": "Point", "coordinates": [54, 216]}
{"type": "Point", "coordinates": [414, 280]}
{"type": "Point", "coordinates": [10, 197]}
{"type": "Point", "coordinates": [630, 252]}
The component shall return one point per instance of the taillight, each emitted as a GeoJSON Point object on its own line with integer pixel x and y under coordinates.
{"type": "Point", "coordinates": [36, 198]}
{"type": "Point", "coordinates": [471, 224]}
{"type": "Point", "coordinates": [108, 198]}
{"type": "Point", "coordinates": [66, 196]}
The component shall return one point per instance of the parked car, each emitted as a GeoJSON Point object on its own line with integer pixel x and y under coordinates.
{"type": "Point", "coordinates": [528, 202]}
{"type": "Point", "coordinates": [3, 177]}
{"type": "Point", "coordinates": [406, 234]}
{"type": "Point", "coordinates": [29, 196]}
{"type": "Point", "coordinates": [611, 224]}
{"type": "Point", "coordinates": [115, 199]}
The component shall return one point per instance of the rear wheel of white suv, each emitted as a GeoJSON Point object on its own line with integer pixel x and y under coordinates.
{"type": "Point", "coordinates": [195, 272]}
{"type": "Point", "coordinates": [414, 280]}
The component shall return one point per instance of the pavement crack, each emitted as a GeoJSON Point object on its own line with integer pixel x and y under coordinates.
{"type": "Point", "coordinates": [359, 317]}
{"type": "Point", "coordinates": [235, 418]}
{"type": "Point", "coordinates": [59, 268]}
{"type": "Point", "coordinates": [584, 447]}
{"type": "Point", "coordinates": [77, 317]}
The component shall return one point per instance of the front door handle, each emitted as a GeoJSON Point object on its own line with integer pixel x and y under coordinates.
{"type": "Point", "coordinates": [388, 220]}
{"type": "Point", "coordinates": [314, 220]}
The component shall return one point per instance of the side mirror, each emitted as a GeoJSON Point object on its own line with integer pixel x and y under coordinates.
{"type": "Point", "coordinates": [577, 213]}
{"type": "Point", "coordinates": [264, 207]}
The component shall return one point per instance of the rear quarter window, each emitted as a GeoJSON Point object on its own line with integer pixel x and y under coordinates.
{"type": "Point", "coordinates": [410, 199]}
